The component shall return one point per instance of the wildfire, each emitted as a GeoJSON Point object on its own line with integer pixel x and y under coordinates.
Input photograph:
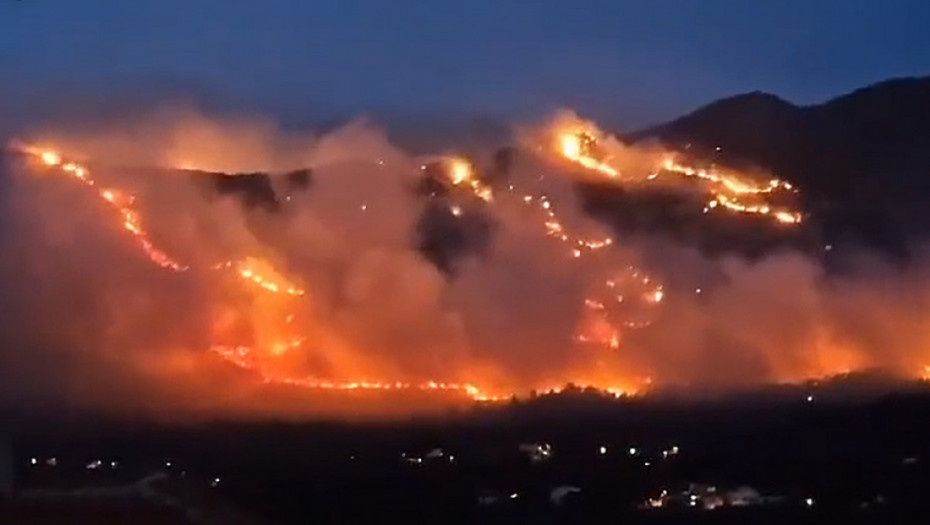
{"type": "Point", "coordinates": [121, 202]}
{"type": "Point", "coordinates": [597, 326]}
{"type": "Point", "coordinates": [577, 147]}
{"type": "Point", "coordinates": [243, 357]}
{"type": "Point", "coordinates": [261, 273]}
{"type": "Point", "coordinates": [621, 302]}
{"type": "Point", "coordinates": [556, 230]}
{"type": "Point", "coordinates": [50, 158]}
{"type": "Point", "coordinates": [259, 359]}
{"type": "Point", "coordinates": [611, 308]}
{"type": "Point", "coordinates": [461, 174]}
{"type": "Point", "coordinates": [731, 184]}
{"type": "Point", "coordinates": [728, 191]}
{"type": "Point", "coordinates": [250, 269]}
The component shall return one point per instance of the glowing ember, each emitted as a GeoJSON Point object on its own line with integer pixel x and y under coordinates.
{"type": "Point", "coordinates": [242, 356]}
{"type": "Point", "coordinates": [729, 183]}
{"type": "Point", "coordinates": [607, 311]}
{"type": "Point", "coordinates": [597, 326]}
{"type": "Point", "coordinates": [50, 158]}
{"type": "Point", "coordinates": [556, 230]}
{"type": "Point", "coordinates": [462, 174]}
{"type": "Point", "coordinates": [262, 274]}
{"type": "Point", "coordinates": [577, 147]}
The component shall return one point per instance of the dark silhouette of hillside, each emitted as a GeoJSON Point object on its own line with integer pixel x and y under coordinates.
{"type": "Point", "coordinates": [862, 160]}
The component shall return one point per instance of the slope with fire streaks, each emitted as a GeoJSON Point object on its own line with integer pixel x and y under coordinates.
{"type": "Point", "coordinates": [459, 174]}
{"type": "Point", "coordinates": [260, 359]}
{"type": "Point", "coordinates": [582, 144]}
{"type": "Point", "coordinates": [615, 304]}
{"type": "Point", "coordinates": [600, 325]}
{"type": "Point", "coordinates": [250, 270]}
{"type": "Point", "coordinates": [120, 201]}
{"type": "Point", "coordinates": [245, 357]}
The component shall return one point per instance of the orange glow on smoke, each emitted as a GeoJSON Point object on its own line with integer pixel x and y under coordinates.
{"type": "Point", "coordinates": [627, 300]}
{"type": "Point", "coordinates": [826, 357]}
{"type": "Point", "coordinates": [263, 274]}
{"type": "Point", "coordinates": [265, 277]}
{"type": "Point", "coordinates": [123, 204]}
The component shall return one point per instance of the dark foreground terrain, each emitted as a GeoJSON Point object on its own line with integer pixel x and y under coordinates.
{"type": "Point", "coordinates": [801, 456]}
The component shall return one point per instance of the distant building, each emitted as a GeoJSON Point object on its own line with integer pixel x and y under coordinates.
{"type": "Point", "coordinates": [559, 495]}
{"type": "Point", "coordinates": [536, 451]}
{"type": "Point", "coordinates": [744, 496]}
{"type": "Point", "coordinates": [435, 453]}
{"type": "Point", "coordinates": [708, 497]}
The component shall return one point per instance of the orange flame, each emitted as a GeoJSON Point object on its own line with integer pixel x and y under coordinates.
{"type": "Point", "coordinates": [121, 203]}
{"type": "Point", "coordinates": [461, 174]}
{"type": "Point", "coordinates": [261, 273]}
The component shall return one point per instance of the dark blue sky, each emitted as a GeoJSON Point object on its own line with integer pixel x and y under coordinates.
{"type": "Point", "coordinates": [628, 62]}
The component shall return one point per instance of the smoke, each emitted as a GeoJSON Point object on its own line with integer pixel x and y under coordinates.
{"type": "Point", "coordinates": [177, 135]}
{"type": "Point", "coordinates": [398, 284]}
{"type": "Point", "coordinates": [784, 319]}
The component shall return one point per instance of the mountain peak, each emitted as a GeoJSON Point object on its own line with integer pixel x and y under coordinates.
{"type": "Point", "coordinates": [752, 99]}
{"type": "Point", "coordinates": [863, 155]}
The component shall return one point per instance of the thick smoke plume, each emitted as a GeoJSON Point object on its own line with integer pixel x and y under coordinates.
{"type": "Point", "coordinates": [468, 283]}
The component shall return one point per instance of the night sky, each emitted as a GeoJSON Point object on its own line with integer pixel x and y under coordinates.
{"type": "Point", "coordinates": [629, 62]}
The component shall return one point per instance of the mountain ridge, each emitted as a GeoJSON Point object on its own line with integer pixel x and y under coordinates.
{"type": "Point", "coordinates": [861, 160]}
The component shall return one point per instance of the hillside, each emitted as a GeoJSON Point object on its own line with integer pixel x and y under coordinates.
{"type": "Point", "coordinates": [862, 160]}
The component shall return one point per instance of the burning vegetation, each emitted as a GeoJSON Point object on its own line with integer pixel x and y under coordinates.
{"type": "Point", "coordinates": [509, 286]}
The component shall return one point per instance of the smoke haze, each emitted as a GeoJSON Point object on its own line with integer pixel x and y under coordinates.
{"type": "Point", "coordinates": [398, 285]}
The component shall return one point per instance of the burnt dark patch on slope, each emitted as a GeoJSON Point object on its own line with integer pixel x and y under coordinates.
{"type": "Point", "coordinates": [453, 226]}
{"type": "Point", "coordinates": [301, 179]}
{"type": "Point", "coordinates": [447, 239]}
{"type": "Point", "coordinates": [502, 163]}
{"type": "Point", "coordinates": [254, 189]}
